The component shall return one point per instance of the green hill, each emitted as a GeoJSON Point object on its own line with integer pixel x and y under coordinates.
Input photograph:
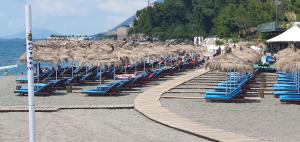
{"type": "Point", "coordinates": [224, 18]}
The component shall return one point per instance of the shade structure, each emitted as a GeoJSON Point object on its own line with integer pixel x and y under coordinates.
{"type": "Point", "coordinates": [291, 35]}
{"type": "Point", "coordinates": [247, 54]}
{"type": "Point", "coordinates": [229, 62]}
{"type": "Point", "coordinates": [90, 53]}
{"type": "Point", "coordinates": [288, 60]}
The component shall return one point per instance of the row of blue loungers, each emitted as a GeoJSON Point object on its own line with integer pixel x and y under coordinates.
{"type": "Point", "coordinates": [287, 88]}
{"type": "Point", "coordinates": [63, 79]}
{"type": "Point", "coordinates": [230, 89]}
{"type": "Point", "coordinates": [82, 75]}
{"type": "Point", "coordinates": [139, 79]}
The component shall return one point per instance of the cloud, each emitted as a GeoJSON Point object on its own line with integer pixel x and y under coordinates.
{"type": "Point", "coordinates": [60, 7]}
{"type": "Point", "coordinates": [68, 16]}
{"type": "Point", "coordinates": [122, 7]}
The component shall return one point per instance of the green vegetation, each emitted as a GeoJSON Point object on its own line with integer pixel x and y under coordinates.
{"type": "Point", "coordinates": [224, 18]}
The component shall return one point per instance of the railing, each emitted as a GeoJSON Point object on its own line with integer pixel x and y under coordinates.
{"type": "Point", "coordinates": [269, 27]}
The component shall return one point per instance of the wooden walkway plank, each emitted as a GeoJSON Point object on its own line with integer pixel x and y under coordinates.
{"type": "Point", "coordinates": [148, 104]}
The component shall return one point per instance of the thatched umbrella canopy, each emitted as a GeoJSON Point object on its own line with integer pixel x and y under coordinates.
{"type": "Point", "coordinates": [89, 52]}
{"type": "Point", "coordinates": [229, 62]}
{"type": "Point", "coordinates": [247, 54]}
{"type": "Point", "coordinates": [288, 60]}
{"type": "Point", "coordinates": [285, 53]}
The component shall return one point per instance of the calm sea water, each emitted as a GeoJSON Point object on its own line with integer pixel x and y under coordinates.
{"type": "Point", "coordinates": [10, 52]}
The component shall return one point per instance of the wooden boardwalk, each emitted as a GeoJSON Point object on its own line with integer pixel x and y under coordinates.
{"type": "Point", "coordinates": [148, 103]}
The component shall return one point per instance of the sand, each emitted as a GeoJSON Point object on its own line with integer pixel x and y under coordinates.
{"type": "Point", "coordinates": [268, 120]}
{"type": "Point", "coordinates": [89, 126]}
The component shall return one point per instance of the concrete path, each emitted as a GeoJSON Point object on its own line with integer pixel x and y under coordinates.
{"type": "Point", "coordinates": [148, 103]}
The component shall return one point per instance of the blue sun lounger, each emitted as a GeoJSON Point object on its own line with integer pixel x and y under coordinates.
{"type": "Point", "coordinates": [227, 90]}
{"type": "Point", "coordinates": [39, 90]}
{"type": "Point", "coordinates": [284, 93]}
{"type": "Point", "coordinates": [287, 85]}
{"type": "Point", "coordinates": [73, 81]}
{"type": "Point", "coordinates": [223, 95]}
{"type": "Point", "coordinates": [290, 98]}
{"type": "Point", "coordinates": [102, 91]}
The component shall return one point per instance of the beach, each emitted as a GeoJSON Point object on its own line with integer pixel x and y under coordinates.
{"type": "Point", "coordinates": [78, 125]}
{"type": "Point", "coordinates": [89, 125]}
{"type": "Point", "coordinates": [267, 120]}
{"type": "Point", "coordinates": [171, 71]}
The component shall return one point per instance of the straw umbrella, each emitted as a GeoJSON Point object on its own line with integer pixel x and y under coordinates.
{"type": "Point", "coordinates": [288, 60]}
{"type": "Point", "coordinates": [229, 62]}
{"type": "Point", "coordinates": [249, 55]}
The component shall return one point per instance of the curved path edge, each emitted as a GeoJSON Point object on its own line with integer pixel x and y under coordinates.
{"type": "Point", "coordinates": [148, 104]}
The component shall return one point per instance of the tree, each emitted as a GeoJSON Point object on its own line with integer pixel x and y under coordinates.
{"type": "Point", "coordinates": [224, 18]}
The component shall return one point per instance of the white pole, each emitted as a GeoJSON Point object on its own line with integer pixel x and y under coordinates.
{"type": "Point", "coordinates": [31, 104]}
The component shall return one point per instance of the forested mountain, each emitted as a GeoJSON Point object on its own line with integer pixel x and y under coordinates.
{"type": "Point", "coordinates": [224, 18]}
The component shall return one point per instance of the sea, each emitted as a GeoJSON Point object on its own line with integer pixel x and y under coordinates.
{"type": "Point", "coordinates": [10, 52]}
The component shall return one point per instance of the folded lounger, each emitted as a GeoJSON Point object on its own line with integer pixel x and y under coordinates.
{"type": "Point", "coordinates": [102, 91]}
{"type": "Point", "coordinates": [282, 93]}
{"type": "Point", "coordinates": [40, 90]}
{"type": "Point", "coordinates": [223, 95]}
{"type": "Point", "coordinates": [74, 80]}
{"type": "Point", "coordinates": [232, 91]}
{"type": "Point", "coordinates": [88, 77]}
{"type": "Point", "coordinates": [290, 98]}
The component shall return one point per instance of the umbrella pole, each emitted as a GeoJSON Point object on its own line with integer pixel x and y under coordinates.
{"type": "Point", "coordinates": [135, 67]}
{"type": "Point", "coordinates": [125, 67]}
{"type": "Point", "coordinates": [115, 71]}
{"type": "Point", "coordinates": [85, 70]}
{"type": "Point", "coordinates": [56, 73]}
{"type": "Point", "coordinates": [152, 64]}
{"type": "Point", "coordinates": [144, 65]}
{"type": "Point", "coordinates": [72, 70]}
{"type": "Point", "coordinates": [38, 72]}
{"type": "Point", "coordinates": [100, 78]}
{"type": "Point", "coordinates": [228, 75]}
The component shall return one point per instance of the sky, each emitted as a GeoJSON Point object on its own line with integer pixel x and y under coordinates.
{"type": "Point", "coordinates": [79, 17]}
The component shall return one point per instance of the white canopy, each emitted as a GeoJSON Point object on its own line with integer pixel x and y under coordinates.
{"type": "Point", "coordinates": [291, 35]}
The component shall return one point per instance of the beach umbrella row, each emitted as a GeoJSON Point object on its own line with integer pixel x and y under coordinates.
{"type": "Point", "coordinates": [91, 53]}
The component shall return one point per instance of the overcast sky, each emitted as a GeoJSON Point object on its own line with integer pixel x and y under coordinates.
{"type": "Point", "coordinates": [68, 16]}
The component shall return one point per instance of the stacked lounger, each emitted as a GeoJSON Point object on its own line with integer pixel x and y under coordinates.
{"type": "Point", "coordinates": [230, 89]}
{"type": "Point", "coordinates": [287, 87]}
